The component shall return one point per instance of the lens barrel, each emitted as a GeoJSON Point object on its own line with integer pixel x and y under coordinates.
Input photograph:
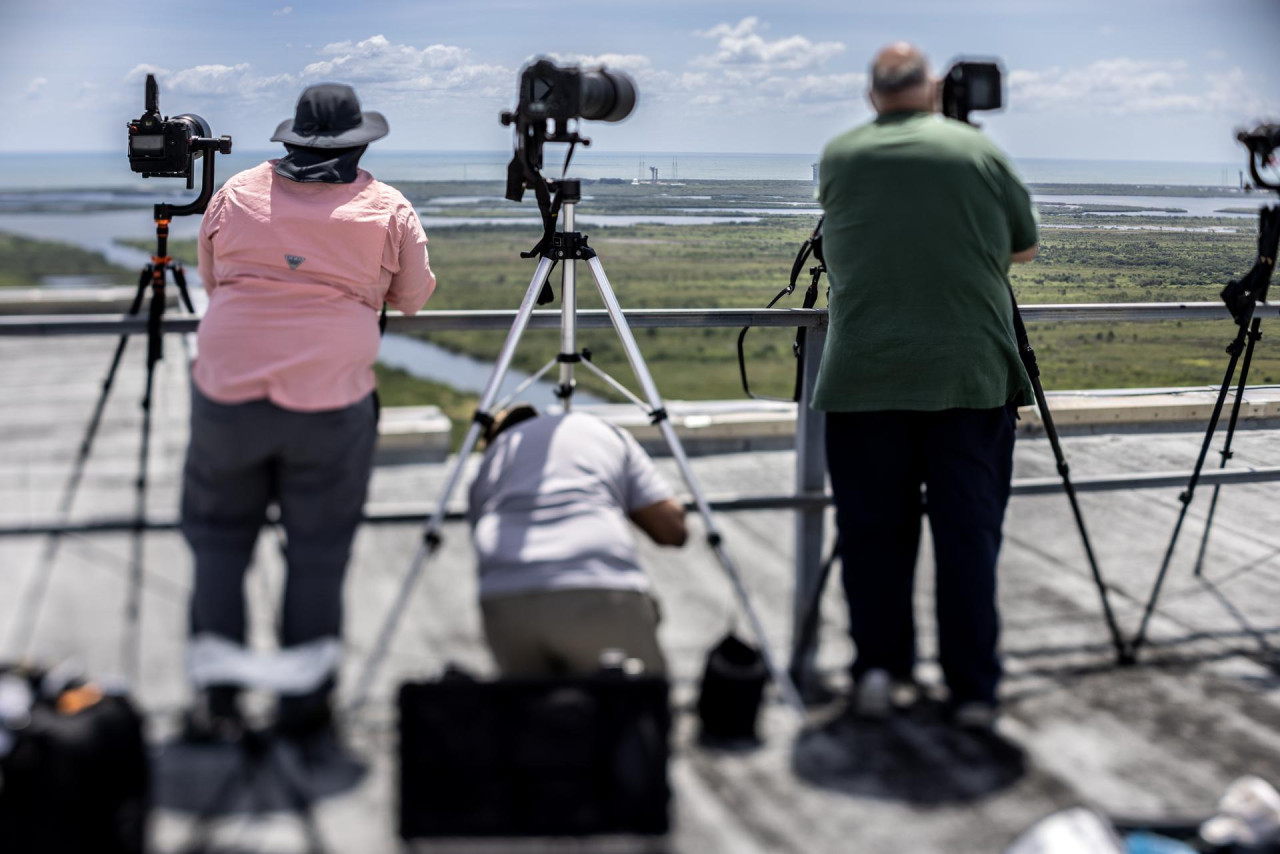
{"type": "Point", "coordinates": [607, 96]}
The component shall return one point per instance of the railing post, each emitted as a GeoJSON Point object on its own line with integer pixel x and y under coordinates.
{"type": "Point", "coordinates": [811, 479]}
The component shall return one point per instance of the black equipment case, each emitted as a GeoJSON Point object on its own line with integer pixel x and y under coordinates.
{"type": "Point", "coordinates": [534, 757]}
{"type": "Point", "coordinates": [75, 777]}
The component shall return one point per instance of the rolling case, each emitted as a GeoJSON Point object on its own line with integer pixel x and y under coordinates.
{"type": "Point", "coordinates": [534, 757]}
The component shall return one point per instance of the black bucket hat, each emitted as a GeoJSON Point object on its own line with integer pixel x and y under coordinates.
{"type": "Point", "coordinates": [329, 116]}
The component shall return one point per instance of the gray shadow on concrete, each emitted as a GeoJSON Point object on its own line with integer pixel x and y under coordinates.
{"type": "Point", "coordinates": [916, 756]}
{"type": "Point", "coordinates": [257, 776]}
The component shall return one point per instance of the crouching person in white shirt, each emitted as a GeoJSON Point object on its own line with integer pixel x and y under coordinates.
{"type": "Point", "coordinates": [560, 581]}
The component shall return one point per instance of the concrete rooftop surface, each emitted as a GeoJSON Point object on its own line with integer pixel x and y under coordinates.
{"type": "Point", "coordinates": [1160, 739]}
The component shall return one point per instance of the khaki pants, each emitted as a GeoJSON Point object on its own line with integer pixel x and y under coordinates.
{"type": "Point", "coordinates": [559, 632]}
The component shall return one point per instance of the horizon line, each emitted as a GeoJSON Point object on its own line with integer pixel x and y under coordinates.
{"type": "Point", "coordinates": [428, 151]}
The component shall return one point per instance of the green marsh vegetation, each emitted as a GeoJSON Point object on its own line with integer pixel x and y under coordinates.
{"type": "Point", "coordinates": [745, 264]}
{"type": "Point", "coordinates": [26, 263]}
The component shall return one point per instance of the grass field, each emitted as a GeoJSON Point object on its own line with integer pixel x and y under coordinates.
{"type": "Point", "coordinates": [24, 263]}
{"type": "Point", "coordinates": [744, 264]}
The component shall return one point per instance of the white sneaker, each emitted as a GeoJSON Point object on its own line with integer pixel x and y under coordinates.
{"type": "Point", "coordinates": [975, 715]}
{"type": "Point", "coordinates": [873, 695]}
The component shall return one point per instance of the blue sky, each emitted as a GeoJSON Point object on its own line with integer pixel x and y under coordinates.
{"type": "Point", "coordinates": [1122, 79]}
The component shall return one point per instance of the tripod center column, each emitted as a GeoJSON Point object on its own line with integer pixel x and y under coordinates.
{"type": "Point", "coordinates": [568, 313]}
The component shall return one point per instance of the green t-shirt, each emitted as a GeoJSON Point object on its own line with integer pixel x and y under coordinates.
{"type": "Point", "coordinates": [922, 215]}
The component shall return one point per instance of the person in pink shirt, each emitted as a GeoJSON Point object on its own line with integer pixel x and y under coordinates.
{"type": "Point", "coordinates": [298, 256]}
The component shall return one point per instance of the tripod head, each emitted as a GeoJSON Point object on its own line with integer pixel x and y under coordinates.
{"type": "Point", "coordinates": [164, 147]}
{"type": "Point", "coordinates": [1243, 294]}
{"type": "Point", "coordinates": [1263, 142]}
{"type": "Point", "coordinates": [551, 97]}
{"type": "Point", "coordinates": [209, 146]}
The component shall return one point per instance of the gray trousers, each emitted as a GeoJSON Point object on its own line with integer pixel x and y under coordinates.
{"type": "Point", "coordinates": [559, 632]}
{"type": "Point", "coordinates": [243, 457]}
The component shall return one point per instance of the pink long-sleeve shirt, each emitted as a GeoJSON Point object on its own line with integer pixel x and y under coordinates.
{"type": "Point", "coordinates": [296, 275]}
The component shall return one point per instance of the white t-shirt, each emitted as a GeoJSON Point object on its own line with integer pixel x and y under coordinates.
{"type": "Point", "coordinates": [549, 506]}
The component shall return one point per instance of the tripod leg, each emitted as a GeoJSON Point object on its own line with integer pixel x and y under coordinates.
{"type": "Point", "coordinates": [131, 655]}
{"type": "Point", "coordinates": [568, 320]}
{"type": "Point", "coordinates": [1255, 333]}
{"type": "Point", "coordinates": [431, 535]}
{"type": "Point", "coordinates": [300, 799]}
{"type": "Point", "coordinates": [780, 676]}
{"type": "Point", "coordinates": [812, 613]}
{"type": "Point", "coordinates": [180, 278]}
{"type": "Point", "coordinates": [23, 632]}
{"type": "Point", "coordinates": [1234, 349]}
{"type": "Point", "coordinates": [1051, 430]}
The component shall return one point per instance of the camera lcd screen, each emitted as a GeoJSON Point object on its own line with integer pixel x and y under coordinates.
{"type": "Point", "coordinates": [980, 90]}
{"type": "Point", "coordinates": [147, 142]}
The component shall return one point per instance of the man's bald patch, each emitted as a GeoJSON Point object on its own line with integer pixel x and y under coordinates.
{"type": "Point", "coordinates": [897, 68]}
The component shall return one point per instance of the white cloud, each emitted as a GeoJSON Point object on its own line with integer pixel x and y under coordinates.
{"type": "Point", "coordinates": [751, 73]}
{"type": "Point", "coordinates": [1124, 86]}
{"type": "Point", "coordinates": [36, 86]}
{"type": "Point", "coordinates": [376, 66]}
{"type": "Point", "coordinates": [214, 80]}
{"type": "Point", "coordinates": [436, 69]}
{"type": "Point", "coordinates": [280, 13]}
{"type": "Point", "coordinates": [632, 63]}
{"type": "Point", "coordinates": [742, 44]}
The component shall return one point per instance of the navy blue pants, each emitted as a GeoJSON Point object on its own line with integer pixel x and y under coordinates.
{"type": "Point", "coordinates": [879, 462]}
{"type": "Point", "coordinates": [316, 466]}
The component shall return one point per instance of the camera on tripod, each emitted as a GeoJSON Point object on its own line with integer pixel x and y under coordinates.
{"type": "Point", "coordinates": [971, 86]}
{"type": "Point", "coordinates": [555, 94]}
{"type": "Point", "coordinates": [1263, 143]}
{"type": "Point", "coordinates": [167, 147]}
{"type": "Point", "coordinates": [550, 91]}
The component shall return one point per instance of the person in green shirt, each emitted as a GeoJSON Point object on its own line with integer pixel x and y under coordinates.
{"type": "Point", "coordinates": [920, 377]}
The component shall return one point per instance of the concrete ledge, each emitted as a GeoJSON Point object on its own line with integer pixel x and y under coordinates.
{"type": "Point", "coordinates": [107, 300]}
{"type": "Point", "coordinates": [1147, 408]}
{"type": "Point", "coordinates": [709, 426]}
{"type": "Point", "coordinates": [422, 433]}
{"type": "Point", "coordinates": [412, 434]}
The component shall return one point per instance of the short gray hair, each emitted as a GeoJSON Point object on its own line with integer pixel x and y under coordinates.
{"type": "Point", "coordinates": [899, 78]}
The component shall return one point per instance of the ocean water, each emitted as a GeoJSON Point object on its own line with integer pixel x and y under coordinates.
{"type": "Point", "coordinates": [111, 170]}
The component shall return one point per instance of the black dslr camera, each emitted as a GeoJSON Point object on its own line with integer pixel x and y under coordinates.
{"type": "Point", "coordinates": [970, 86]}
{"type": "Point", "coordinates": [161, 147]}
{"type": "Point", "coordinates": [550, 97]}
{"type": "Point", "coordinates": [552, 92]}
{"type": "Point", "coordinates": [1263, 143]}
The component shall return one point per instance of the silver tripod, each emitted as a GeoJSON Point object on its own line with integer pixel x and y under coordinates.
{"type": "Point", "coordinates": [568, 246]}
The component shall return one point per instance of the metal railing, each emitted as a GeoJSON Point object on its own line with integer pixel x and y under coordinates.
{"type": "Point", "coordinates": [809, 500]}
{"type": "Point", "coordinates": [652, 318]}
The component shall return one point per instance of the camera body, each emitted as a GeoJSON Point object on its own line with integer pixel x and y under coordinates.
{"type": "Point", "coordinates": [971, 85]}
{"type": "Point", "coordinates": [160, 147]}
{"type": "Point", "coordinates": [551, 96]}
{"type": "Point", "coordinates": [549, 92]}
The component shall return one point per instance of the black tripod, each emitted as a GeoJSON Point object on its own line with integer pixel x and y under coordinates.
{"type": "Point", "coordinates": [1241, 298]}
{"type": "Point", "coordinates": [151, 283]}
{"type": "Point", "coordinates": [1028, 355]}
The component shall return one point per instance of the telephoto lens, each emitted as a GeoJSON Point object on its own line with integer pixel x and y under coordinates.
{"type": "Point", "coordinates": [607, 96]}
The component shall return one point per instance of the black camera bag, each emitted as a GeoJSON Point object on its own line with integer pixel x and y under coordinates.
{"type": "Point", "coordinates": [576, 756]}
{"type": "Point", "coordinates": [732, 688]}
{"type": "Point", "coordinates": [75, 781]}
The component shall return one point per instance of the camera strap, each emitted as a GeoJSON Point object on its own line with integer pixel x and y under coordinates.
{"type": "Point", "coordinates": [382, 330]}
{"type": "Point", "coordinates": [549, 207]}
{"type": "Point", "coordinates": [812, 247]}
